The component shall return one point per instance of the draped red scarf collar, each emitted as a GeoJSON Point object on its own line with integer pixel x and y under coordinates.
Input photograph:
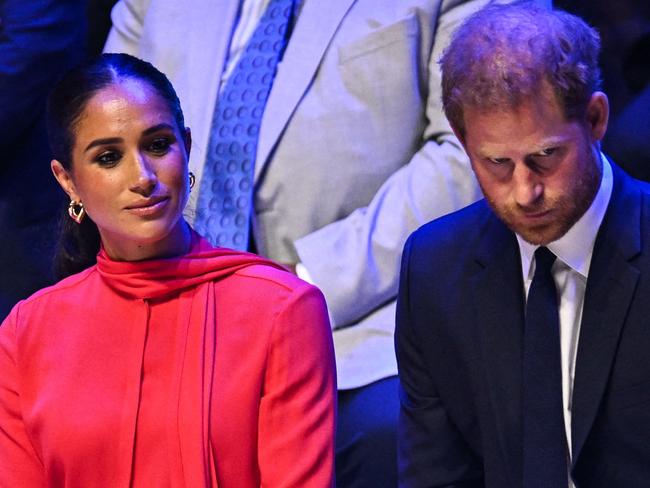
{"type": "Point", "coordinates": [161, 277]}
{"type": "Point", "coordinates": [189, 280]}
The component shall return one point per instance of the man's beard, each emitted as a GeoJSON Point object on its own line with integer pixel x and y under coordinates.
{"type": "Point", "coordinates": [567, 208]}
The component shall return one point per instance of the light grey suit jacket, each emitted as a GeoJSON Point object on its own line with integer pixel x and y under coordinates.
{"type": "Point", "coordinates": [354, 150]}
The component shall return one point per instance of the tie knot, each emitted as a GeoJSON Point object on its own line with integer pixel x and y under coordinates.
{"type": "Point", "coordinates": [544, 259]}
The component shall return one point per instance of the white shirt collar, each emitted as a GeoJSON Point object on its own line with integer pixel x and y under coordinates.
{"type": "Point", "coordinates": [576, 246]}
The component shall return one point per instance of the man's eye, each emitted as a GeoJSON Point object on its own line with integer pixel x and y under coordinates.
{"type": "Point", "coordinates": [160, 146]}
{"type": "Point", "coordinates": [498, 160]}
{"type": "Point", "coordinates": [547, 152]}
{"type": "Point", "coordinates": [108, 158]}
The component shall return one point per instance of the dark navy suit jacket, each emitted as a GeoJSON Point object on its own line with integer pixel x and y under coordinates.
{"type": "Point", "coordinates": [39, 41]}
{"type": "Point", "coordinates": [459, 348]}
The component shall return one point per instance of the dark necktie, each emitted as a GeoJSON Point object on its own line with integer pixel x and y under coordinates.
{"type": "Point", "coordinates": [225, 198]}
{"type": "Point", "coordinates": [544, 446]}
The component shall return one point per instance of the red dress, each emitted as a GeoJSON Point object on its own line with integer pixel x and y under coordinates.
{"type": "Point", "coordinates": [212, 369]}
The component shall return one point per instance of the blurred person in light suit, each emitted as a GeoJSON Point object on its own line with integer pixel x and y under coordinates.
{"type": "Point", "coordinates": [353, 154]}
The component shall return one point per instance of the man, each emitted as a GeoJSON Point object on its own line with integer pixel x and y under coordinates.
{"type": "Point", "coordinates": [38, 42]}
{"type": "Point", "coordinates": [522, 329]}
{"type": "Point", "coordinates": [353, 154]}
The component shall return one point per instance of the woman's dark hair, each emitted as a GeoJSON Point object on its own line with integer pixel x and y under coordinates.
{"type": "Point", "coordinates": [79, 243]}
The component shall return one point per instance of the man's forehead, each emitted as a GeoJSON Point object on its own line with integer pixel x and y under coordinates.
{"type": "Point", "coordinates": [512, 100]}
{"type": "Point", "coordinates": [492, 149]}
{"type": "Point", "coordinates": [529, 128]}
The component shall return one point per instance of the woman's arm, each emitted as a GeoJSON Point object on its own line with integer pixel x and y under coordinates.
{"type": "Point", "coordinates": [19, 463]}
{"type": "Point", "coordinates": [298, 406]}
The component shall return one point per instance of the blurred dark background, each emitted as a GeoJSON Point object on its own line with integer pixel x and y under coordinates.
{"type": "Point", "coordinates": [99, 23]}
{"type": "Point", "coordinates": [624, 27]}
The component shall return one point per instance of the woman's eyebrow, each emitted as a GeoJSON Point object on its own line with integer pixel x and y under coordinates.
{"type": "Point", "coordinates": [157, 127]}
{"type": "Point", "coordinates": [117, 140]}
{"type": "Point", "coordinates": [101, 142]}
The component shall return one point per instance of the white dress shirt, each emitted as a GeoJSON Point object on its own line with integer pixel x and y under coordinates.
{"type": "Point", "coordinates": [250, 13]}
{"type": "Point", "coordinates": [570, 272]}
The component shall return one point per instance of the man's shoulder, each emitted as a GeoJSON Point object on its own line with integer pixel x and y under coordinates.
{"type": "Point", "coordinates": [643, 186]}
{"type": "Point", "coordinates": [628, 193]}
{"type": "Point", "coordinates": [457, 229]}
{"type": "Point", "coordinates": [628, 182]}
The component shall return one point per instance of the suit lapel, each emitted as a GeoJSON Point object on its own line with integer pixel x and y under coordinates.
{"type": "Point", "coordinates": [499, 311]}
{"type": "Point", "coordinates": [207, 53]}
{"type": "Point", "coordinates": [610, 288]}
{"type": "Point", "coordinates": [317, 24]}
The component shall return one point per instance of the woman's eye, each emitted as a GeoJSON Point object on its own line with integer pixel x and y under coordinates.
{"type": "Point", "coordinates": [108, 158]}
{"type": "Point", "coordinates": [160, 146]}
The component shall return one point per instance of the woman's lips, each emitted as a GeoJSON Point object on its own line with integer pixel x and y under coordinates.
{"type": "Point", "coordinates": [150, 207]}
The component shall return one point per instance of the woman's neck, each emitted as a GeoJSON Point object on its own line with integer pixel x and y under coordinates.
{"type": "Point", "coordinates": [176, 243]}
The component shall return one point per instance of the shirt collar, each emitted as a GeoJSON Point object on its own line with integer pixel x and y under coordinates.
{"type": "Point", "coordinates": [576, 246]}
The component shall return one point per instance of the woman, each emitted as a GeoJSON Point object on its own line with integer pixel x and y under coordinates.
{"type": "Point", "coordinates": [167, 362]}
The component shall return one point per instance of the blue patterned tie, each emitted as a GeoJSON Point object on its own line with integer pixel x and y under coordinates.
{"type": "Point", "coordinates": [226, 192]}
{"type": "Point", "coordinates": [544, 438]}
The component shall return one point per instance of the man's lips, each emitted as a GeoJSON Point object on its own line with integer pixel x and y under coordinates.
{"type": "Point", "coordinates": [535, 215]}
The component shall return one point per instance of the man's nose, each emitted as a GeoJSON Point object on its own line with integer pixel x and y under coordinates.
{"type": "Point", "coordinates": [527, 185]}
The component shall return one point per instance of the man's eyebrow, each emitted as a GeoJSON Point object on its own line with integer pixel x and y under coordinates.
{"type": "Point", "coordinates": [551, 142]}
{"type": "Point", "coordinates": [490, 152]}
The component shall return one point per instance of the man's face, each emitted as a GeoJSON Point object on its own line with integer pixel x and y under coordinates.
{"type": "Point", "coordinates": [538, 171]}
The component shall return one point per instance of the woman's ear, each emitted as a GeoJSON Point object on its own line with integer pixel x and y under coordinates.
{"type": "Point", "coordinates": [187, 139]}
{"type": "Point", "coordinates": [65, 180]}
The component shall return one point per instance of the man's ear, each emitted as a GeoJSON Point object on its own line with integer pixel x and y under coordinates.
{"type": "Point", "coordinates": [597, 115]}
{"type": "Point", "coordinates": [65, 180]}
{"type": "Point", "coordinates": [460, 135]}
{"type": "Point", "coordinates": [187, 140]}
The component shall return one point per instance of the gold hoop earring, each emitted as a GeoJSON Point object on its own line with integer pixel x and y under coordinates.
{"type": "Point", "coordinates": [192, 180]}
{"type": "Point", "coordinates": [76, 211]}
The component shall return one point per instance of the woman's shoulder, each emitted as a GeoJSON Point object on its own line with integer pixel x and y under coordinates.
{"type": "Point", "coordinates": [69, 288]}
{"type": "Point", "coordinates": [271, 278]}
{"type": "Point", "coordinates": [270, 299]}
{"type": "Point", "coordinates": [271, 289]}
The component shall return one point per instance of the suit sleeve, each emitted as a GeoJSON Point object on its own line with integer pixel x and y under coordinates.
{"type": "Point", "coordinates": [39, 41]}
{"type": "Point", "coordinates": [431, 450]}
{"type": "Point", "coordinates": [19, 463]}
{"type": "Point", "coordinates": [298, 407]}
{"type": "Point", "coordinates": [128, 21]}
{"type": "Point", "coordinates": [355, 261]}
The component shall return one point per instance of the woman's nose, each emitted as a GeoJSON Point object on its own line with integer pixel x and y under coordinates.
{"type": "Point", "coordinates": [144, 179]}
